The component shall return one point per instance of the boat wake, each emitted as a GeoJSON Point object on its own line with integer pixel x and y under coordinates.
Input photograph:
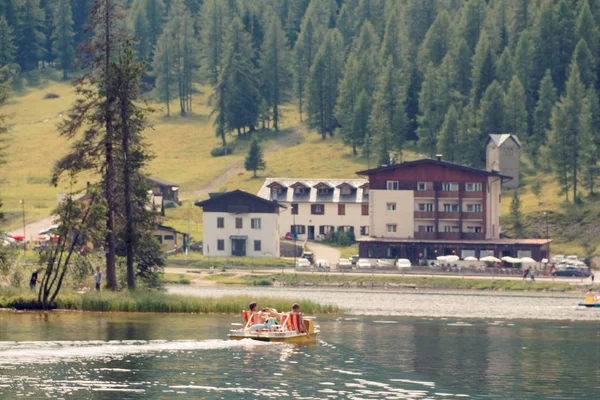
{"type": "Point", "coordinates": [47, 352]}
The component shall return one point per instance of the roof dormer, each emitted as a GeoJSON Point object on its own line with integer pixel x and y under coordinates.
{"type": "Point", "coordinates": [300, 188]}
{"type": "Point", "coordinates": [323, 188]}
{"type": "Point", "coordinates": [345, 188]}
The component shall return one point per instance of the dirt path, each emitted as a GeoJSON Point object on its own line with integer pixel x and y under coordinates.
{"type": "Point", "coordinates": [238, 166]}
{"type": "Point", "coordinates": [328, 253]}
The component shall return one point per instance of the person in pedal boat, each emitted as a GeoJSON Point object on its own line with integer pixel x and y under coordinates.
{"type": "Point", "coordinates": [262, 319]}
{"type": "Point", "coordinates": [295, 311]}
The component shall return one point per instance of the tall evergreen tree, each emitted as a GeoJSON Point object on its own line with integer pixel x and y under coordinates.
{"type": "Point", "coordinates": [347, 101]}
{"type": "Point", "coordinates": [214, 14]}
{"type": "Point", "coordinates": [515, 111]}
{"type": "Point", "coordinates": [30, 34]}
{"type": "Point", "coordinates": [525, 70]}
{"type": "Point", "coordinates": [589, 169]}
{"type": "Point", "coordinates": [504, 68]}
{"type": "Point", "coordinates": [437, 41]}
{"type": "Point", "coordinates": [325, 74]}
{"type": "Point", "coordinates": [586, 63]}
{"type": "Point", "coordinates": [304, 53]}
{"type": "Point", "coordinates": [483, 67]}
{"type": "Point", "coordinates": [360, 132]}
{"type": "Point", "coordinates": [520, 20]}
{"type": "Point", "coordinates": [586, 28]}
{"type": "Point", "coordinates": [515, 215]}
{"type": "Point", "coordinates": [388, 121]}
{"type": "Point", "coordinates": [564, 29]}
{"type": "Point", "coordinates": [254, 160]}
{"type": "Point", "coordinates": [428, 114]}
{"type": "Point", "coordinates": [7, 43]}
{"type": "Point", "coordinates": [542, 115]}
{"type": "Point", "coordinates": [275, 69]}
{"type": "Point", "coordinates": [448, 137]}
{"type": "Point", "coordinates": [569, 144]}
{"type": "Point", "coordinates": [491, 113]}
{"type": "Point", "coordinates": [473, 13]}
{"type": "Point", "coordinates": [461, 69]}
{"type": "Point", "coordinates": [163, 67]}
{"type": "Point", "coordinates": [63, 46]}
{"type": "Point", "coordinates": [141, 32]}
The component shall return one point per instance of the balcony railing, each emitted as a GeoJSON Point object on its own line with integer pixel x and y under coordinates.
{"type": "Point", "coordinates": [425, 235]}
{"type": "Point", "coordinates": [448, 215]}
{"type": "Point", "coordinates": [449, 236]}
{"type": "Point", "coordinates": [447, 195]}
{"type": "Point", "coordinates": [472, 195]}
{"type": "Point", "coordinates": [473, 236]}
{"type": "Point", "coordinates": [472, 215]}
{"type": "Point", "coordinates": [424, 214]}
{"type": "Point", "coordinates": [430, 194]}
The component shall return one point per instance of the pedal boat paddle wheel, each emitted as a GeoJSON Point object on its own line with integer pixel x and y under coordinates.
{"type": "Point", "coordinates": [290, 330]}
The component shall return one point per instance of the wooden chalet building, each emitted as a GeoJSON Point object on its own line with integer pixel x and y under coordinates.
{"type": "Point", "coordinates": [426, 208]}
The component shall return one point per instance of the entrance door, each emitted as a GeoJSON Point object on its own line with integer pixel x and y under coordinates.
{"type": "Point", "coordinates": [238, 247]}
{"type": "Point", "coordinates": [311, 232]}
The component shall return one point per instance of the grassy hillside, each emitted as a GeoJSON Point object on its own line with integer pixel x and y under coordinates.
{"type": "Point", "coordinates": [182, 148]}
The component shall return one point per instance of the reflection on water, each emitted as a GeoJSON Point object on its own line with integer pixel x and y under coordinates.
{"type": "Point", "coordinates": [92, 356]}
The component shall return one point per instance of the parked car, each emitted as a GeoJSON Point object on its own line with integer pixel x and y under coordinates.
{"type": "Point", "coordinates": [403, 263]}
{"type": "Point", "coordinates": [322, 265]}
{"type": "Point", "coordinates": [383, 263]}
{"type": "Point", "coordinates": [309, 256]}
{"type": "Point", "coordinates": [302, 263]}
{"type": "Point", "coordinates": [353, 259]}
{"type": "Point", "coordinates": [343, 264]}
{"type": "Point", "coordinates": [363, 263]}
{"type": "Point", "coordinates": [568, 271]}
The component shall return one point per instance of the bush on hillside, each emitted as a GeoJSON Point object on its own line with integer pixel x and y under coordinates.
{"type": "Point", "coordinates": [222, 151]}
{"type": "Point", "coordinates": [340, 238]}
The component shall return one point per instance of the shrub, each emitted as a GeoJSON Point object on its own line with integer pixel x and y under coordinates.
{"type": "Point", "coordinates": [222, 151]}
{"type": "Point", "coordinates": [340, 238]}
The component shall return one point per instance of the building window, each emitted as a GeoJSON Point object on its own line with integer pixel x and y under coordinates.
{"type": "Point", "coordinates": [317, 209]}
{"type": "Point", "coordinates": [257, 245]}
{"type": "Point", "coordinates": [323, 191]}
{"type": "Point", "coordinates": [341, 209]}
{"type": "Point", "coordinates": [393, 185]}
{"type": "Point", "coordinates": [220, 245]}
{"type": "Point", "coordinates": [275, 191]}
{"type": "Point", "coordinates": [450, 187]}
{"type": "Point", "coordinates": [169, 237]}
{"type": "Point", "coordinates": [474, 229]}
{"type": "Point", "coordinates": [429, 228]}
{"type": "Point", "coordinates": [220, 222]}
{"type": "Point", "coordinates": [298, 229]}
{"type": "Point", "coordinates": [450, 207]}
{"type": "Point", "coordinates": [364, 209]}
{"type": "Point", "coordinates": [391, 228]}
{"type": "Point", "coordinates": [345, 190]}
{"type": "Point", "coordinates": [391, 206]}
{"type": "Point", "coordinates": [294, 208]}
{"type": "Point", "coordinates": [255, 223]}
{"type": "Point", "coordinates": [421, 186]}
{"type": "Point", "coordinates": [473, 207]}
{"type": "Point", "coordinates": [449, 228]}
{"type": "Point", "coordinates": [299, 190]}
{"type": "Point", "coordinates": [364, 231]}
{"type": "Point", "coordinates": [473, 187]}
{"type": "Point", "coordinates": [425, 206]}
{"type": "Point", "coordinates": [158, 238]}
{"type": "Point", "coordinates": [239, 224]}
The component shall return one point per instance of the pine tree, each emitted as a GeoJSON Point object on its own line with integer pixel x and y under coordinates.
{"type": "Point", "coordinates": [448, 137]}
{"type": "Point", "coordinates": [472, 21]}
{"type": "Point", "coordinates": [525, 70]}
{"type": "Point", "coordinates": [360, 122]}
{"type": "Point", "coordinates": [545, 45]}
{"type": "Point", "coordinates": [586, 63]}
{"type": "Point", "coordinates": [30, 34]}
{"type": "Point", "coordinates": [304, 53]}
{"type": "Point", "coordinates": [420, 14]}
{"type": "Point", "coordinates": [428, 118]}
{"type": "Point", "coordinates": [63, 45]}
{"type": "Point", "coordinates": [491, 112]}
{"type": "Point", "coordinates": [388, 121]}
{"type": "Point", "coordinates": [568, 142]}
{"type": "Point", "coordinates": [589, 154]}
{"type": "Point", "coordinates": [564, 30]}
{"type": "Point", "coordinates": [254, 159]}
{"type": "Point", "coordinates": [347, 101]}
{"type": "Point", "coordinates": [163, 68]}
{"type": "Point", "coordinates": [437, 41]}
{"type": "Point", "coordinates": [7, 43]}
{"type": "Point", "coordinates": [516, 215]}
{"type": "Point", "coordinates": [367, 42]}
{"type": "Point", "coordinates": [214, 14]}
{"type": "Point", "coordinates": [325, 74]}
{"type": "Point", "coordinates": [515, 112]}
{"type": "Point", "coordinates": [392, 44]}
{"type": "Point", "coordinates": [504, 68]}
{"type": "Point", "coordinates": [586, 28]}
{"type": "Point", "coordinates": [520, 20]}
{"type": "Point", "coordinates": [141, 31]}
{"type": "Point", "coordinates": [275, 69]}
{"type": "Point", "coordinates": [542, 115]}
{"type": "Point", "coordinates": [155, 14]}
{"type": "Point", "coordinates": [461, 68]}
{"type": "Point", "coordinates": [483, 67]}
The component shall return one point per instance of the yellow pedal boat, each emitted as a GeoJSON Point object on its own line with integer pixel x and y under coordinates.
{"type": "Point", "coordinates": [288, 332]}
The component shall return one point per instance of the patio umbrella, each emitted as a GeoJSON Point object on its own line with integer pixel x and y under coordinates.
{"type": "Point", "coordinates": [452, 258]}
{"type": "Point", "coordinates": [527, 260]}
{"type": "Point", "coordinates": [470, 258]}
{"type": "Point", "coordinates": [441, 258]}
{"type": "Point", "coordinates": [506, 258]}
{"type": "Point", "coordinates": [513, 260]}
{"type": "Point", "coordinates": [489, 259]}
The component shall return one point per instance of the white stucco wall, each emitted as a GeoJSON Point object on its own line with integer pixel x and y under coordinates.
{"type": "Point", "coordinates": [268, 234]}
{"type": "Point", "coordinates": [403, 216]}
{"type": "Point", "coordinates": [304, 217]}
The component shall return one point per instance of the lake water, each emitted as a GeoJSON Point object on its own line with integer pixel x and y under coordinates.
{"type": "Point", "coordinates": [138, 356]}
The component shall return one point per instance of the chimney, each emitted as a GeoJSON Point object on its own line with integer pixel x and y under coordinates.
{"type": "Point", "coordinates": [438, 157]}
